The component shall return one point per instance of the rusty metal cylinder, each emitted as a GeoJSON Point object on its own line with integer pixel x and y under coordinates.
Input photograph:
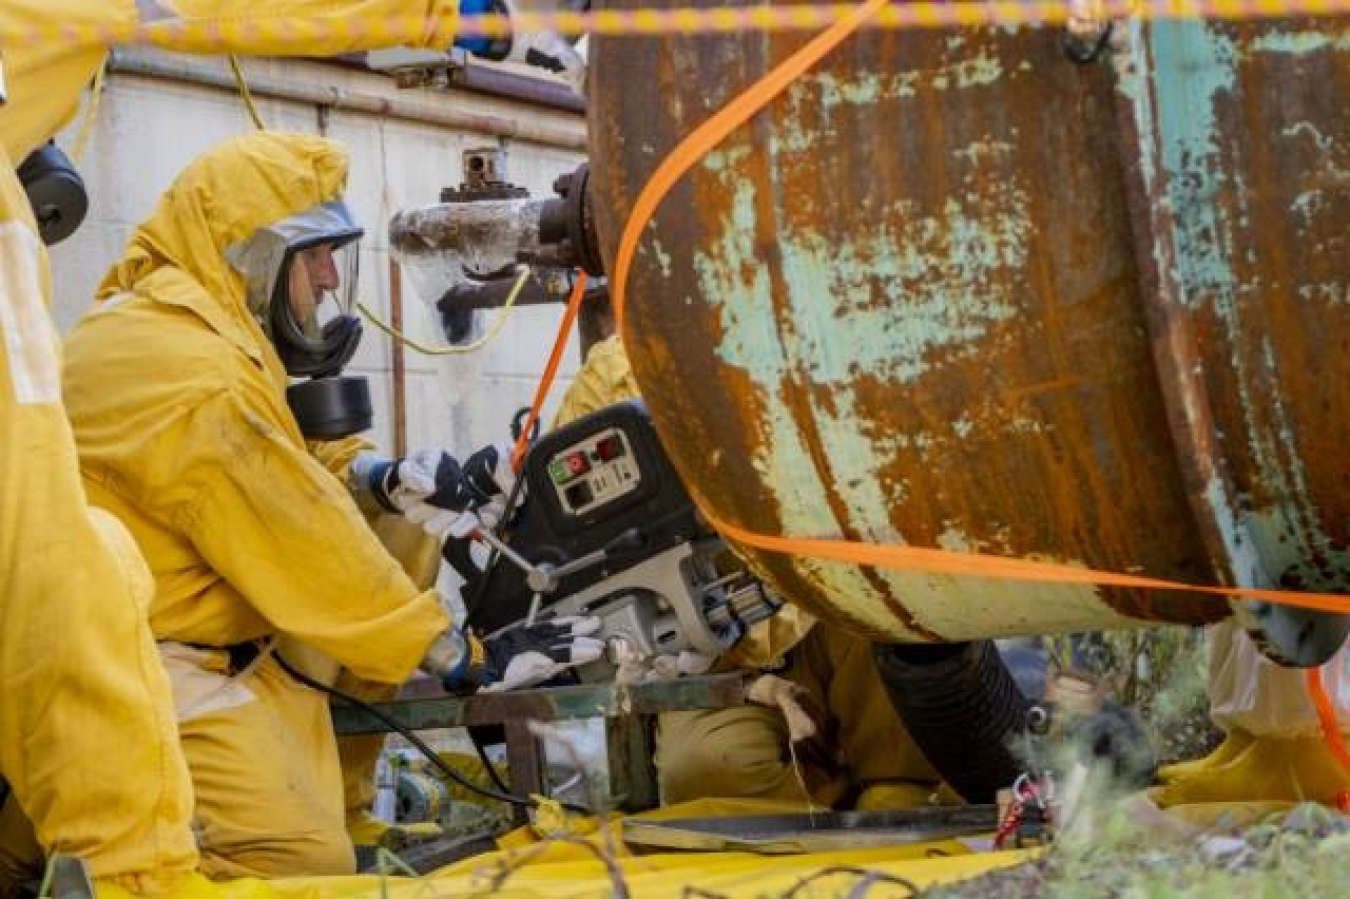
{"type": "Point", "coordinates": [954, 289]}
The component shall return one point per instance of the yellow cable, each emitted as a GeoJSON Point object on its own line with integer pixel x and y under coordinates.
{"type": "Point", "coordinates": [90, 113]}
{"type": "Point", "coordinates": [451, 349]}
{"type": "Point", "coordinates": [244, 92]}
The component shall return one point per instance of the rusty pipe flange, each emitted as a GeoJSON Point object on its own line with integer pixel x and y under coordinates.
{"type": "Point", "coordinates": [567, 235]}
{"type": "Point", "coordinates": [1293, 637]}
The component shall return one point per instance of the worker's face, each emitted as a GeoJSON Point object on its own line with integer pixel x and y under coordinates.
{"type": "Point", "coordinates": [313, 273]}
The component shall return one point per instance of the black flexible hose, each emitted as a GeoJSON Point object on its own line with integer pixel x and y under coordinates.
{"type": "Point", "coordinates": [409, 735]}
{"type": "Point", "coordinates": [961, 707]}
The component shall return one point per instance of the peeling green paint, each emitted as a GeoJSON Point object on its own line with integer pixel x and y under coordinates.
{"type": "Point", "coordinates": [867, 89]}
{"type": "Point", "coordinates": [1307, 204]}
{"type": "Point", "coordinates": [1326, 293]}
{"type": "Point", "coordinates": [990, 608]}
{"type": "Point", "coordinates": [1323, 142]}
{"type": "Point", "coordinates": [1300, 42]}
{"type": "Point", "coordinates": [942, 269]}
{"type": "Point", "coordinates": [939, 270]}
{"type": "Point", "coordinates": [976, 72]}
{"type": "Point", "coordinates": [1287, 532]}
{"type": "Point", "coordinates": [1134, 83]}
{"type": "Point", "coordinates": [729, 270]}
{"type": "Point", "coordinates": [662, 257]}
{"type": "Point", "coordinates": [980, 151]}
{"type": "Point", "coordinates": [864, 90]}
{"type": "Point", "coordinates": [1194, 69]}
{"type": "Point", "coordinates": [1196, 73]}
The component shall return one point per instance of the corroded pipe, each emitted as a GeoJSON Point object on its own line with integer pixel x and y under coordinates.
{"type": "Point", "coordinates": [953, 289]}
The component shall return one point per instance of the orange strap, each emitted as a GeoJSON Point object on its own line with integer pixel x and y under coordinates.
{"type": "Point", "coordinates": [550, 371]}
{"type": "Point", "coordinates": [688, 153]}
{"type": "Point", "coordinates": [1326, 714]}
{"type": "Point", "coordinates": [940, 561]}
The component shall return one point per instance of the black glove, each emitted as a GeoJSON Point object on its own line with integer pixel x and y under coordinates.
{"type": "Point", "coordinates": [529, 655]}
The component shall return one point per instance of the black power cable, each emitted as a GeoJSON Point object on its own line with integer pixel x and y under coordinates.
{"type": "Point", "coordinates": [440, 764]}
{"type": "Point", "coordinates": [490, 768]}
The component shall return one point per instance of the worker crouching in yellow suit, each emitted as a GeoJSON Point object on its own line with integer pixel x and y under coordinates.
{"type": "Point", "coordinates": [178, 402]}
{"type": "Point", "coordinates": [860, 755]}
{"type": "Point", "coordinates": [177, 388]}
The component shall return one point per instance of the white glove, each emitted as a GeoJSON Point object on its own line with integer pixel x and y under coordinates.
{"type": "Point", "coordinates": [550, 51]}
{"type": "Point", "coordinates": [688, 661]}
{"type": "Point", "coordinates": [444, 523]}
{"type": "Point", "coordinates": [488, 473]}
{"type": "Point", "coordinates": [425, 476]}
{"type": "Point", "coordinates": [532, 654]}
{"type": "Point", "coordinates": [634, 668]}
{"type": "Point", "coordinates": [432, 490]}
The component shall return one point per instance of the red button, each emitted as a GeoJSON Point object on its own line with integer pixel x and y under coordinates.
{"type": "Point", "coordinates": [577, 464]}
{"type": "Point", "coordinates": [609, 448]}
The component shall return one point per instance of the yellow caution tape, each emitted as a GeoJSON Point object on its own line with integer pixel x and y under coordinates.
{"type": "Point", "coordinates": [413, 30]}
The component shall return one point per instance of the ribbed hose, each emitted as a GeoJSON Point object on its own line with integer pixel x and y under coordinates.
{"type": "Point", "coordinates": [961, 706]}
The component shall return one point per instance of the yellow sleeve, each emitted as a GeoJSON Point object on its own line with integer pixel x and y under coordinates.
{"type": "Point", "coordinates": [768, 641]}
{"type": "Point", "coordinates": [604, 379]}
{"type": "Point", "coordinates": [254, 27]}
{"type": "Point", "coordinates": [336, 455]}
{"type": "Point", "coordinates": [285, 533]}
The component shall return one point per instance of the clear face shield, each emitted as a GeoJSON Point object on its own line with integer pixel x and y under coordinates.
{"type": "Point", "coordinates": [312, 316]}
{"type": "Point", "coordinates": [301, 279]}
{"type": "Point", "coordinates": [301, 276]}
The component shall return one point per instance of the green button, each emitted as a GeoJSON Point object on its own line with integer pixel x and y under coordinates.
{"type": "Point", "coordinates": [558, 471]}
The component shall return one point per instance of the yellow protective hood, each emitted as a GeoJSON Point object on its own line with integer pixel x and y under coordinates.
{"type": "Point", "coordinates": [220, 200]}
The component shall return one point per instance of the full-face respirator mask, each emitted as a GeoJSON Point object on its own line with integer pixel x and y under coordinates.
{"type": "Point", "coordinates": [301, 275]}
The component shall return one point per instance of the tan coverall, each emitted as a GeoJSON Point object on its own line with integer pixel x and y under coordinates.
{"type": "Point", "coordinates": [862, 756]}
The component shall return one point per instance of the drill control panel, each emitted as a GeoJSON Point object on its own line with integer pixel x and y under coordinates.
{"type": "Point", "coordinates": [594, 472]}
{"type": "Point", "coordinates": [608, 530]}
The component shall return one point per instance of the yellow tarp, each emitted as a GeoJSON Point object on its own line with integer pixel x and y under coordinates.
{"type": "Point", "coordinates": [566, 870]}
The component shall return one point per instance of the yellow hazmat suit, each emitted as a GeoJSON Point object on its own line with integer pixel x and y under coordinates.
{"type": "Point", "coordinates": [97, 771]}
{"type": "Point", "coordinates": [861, 754]}
{"type": "Point", "coordinates": [89, 746]}
{"type": "Point", "coordinates": [1273, 749]}
{"type": "Point", "coordinates": [178, 403]}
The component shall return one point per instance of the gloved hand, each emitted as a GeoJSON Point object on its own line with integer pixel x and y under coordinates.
{"type": "Point", "coordinates": [546, 50]}
{"type": "Point", "coordinates": [487, 473]}
{"type": "Point", "coordinates": [521, 657]}
{"type": "Point", "coordinates": [432, 490]}
{"type": "Point", "coordinates": [634, 668]}
{"type": "Point", "coordinates": [688, 661]}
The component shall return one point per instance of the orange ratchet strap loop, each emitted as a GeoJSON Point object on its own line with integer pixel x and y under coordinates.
{"type": "Point", "coordinates": [550, 370]}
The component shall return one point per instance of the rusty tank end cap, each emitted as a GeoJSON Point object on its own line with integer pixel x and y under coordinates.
{"type": "Point", "coordinates": [1295, 638]}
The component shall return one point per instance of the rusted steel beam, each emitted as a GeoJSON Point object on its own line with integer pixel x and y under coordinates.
{"type": "Point", "coordinates": [630, 741]}
{"type": "Point", "coordinates": [547, 704]}
{"type": "Point", "coordinates": [525, 764]}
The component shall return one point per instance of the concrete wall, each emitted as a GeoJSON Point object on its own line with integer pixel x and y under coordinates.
{"type": "Point", "coordinates": [147, 129]}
